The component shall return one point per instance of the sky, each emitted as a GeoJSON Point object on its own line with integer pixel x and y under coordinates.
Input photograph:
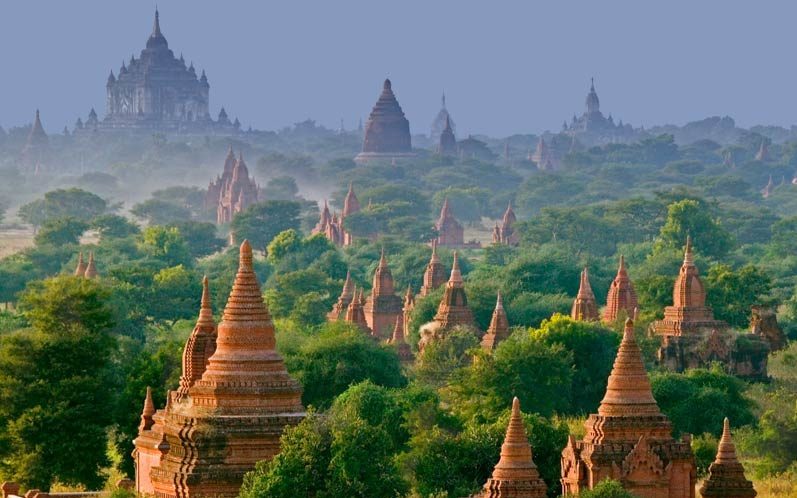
{"type": "Point", "coordinates": [506, 67]}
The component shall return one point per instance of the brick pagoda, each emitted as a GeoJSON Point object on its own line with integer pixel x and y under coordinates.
{"type": "Point", "coordinates": [726, 475]}
{"type": "Point", "coordinates": [330, 226]}
{"type": "Point", "coordinates": [355, 313]}
{"type": "Point", "coordinates": [233, 191]}
{"type": "Point", "coordinates": [629, 439]}
{"type": "Point", "coordinates": [515, 475]}
{"type": "Point", "coordinates": [585, 307]}
{"type": "Point", "coordinates": [622, 296]}
{"type": "Point", "coordinates": [504, 232]}
{"type": "Point", "coordinates": [347, 294]}
{"type": "Point", "coordinates": [498, 329]}
{"type": "Point", "coordinates": [449, 230]}
{"type": "Point", "coordinates": [387, 131]}
{"type": "Point", "coordinates": [435, 274]}
{"type": "Point", "coordinates": [229, 411]}
{"type": "Point", "coordinates": [447, 145]}
{"type": "Point", "coordinates": [351, 205]}
{"type": "Point", "coordinates": [453, 309]}
{"type": "Point", "coordinates": [383, 305]}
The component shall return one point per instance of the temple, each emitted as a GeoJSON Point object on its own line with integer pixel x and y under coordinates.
{"type": "Point", "coordinates": [593, 128]}
{"type": "Point", "coordinates": [585, 307]}
{"type": "Point", "coordinates": [515, 475]}
{"type": "Point", "coordinates": [351, 205]}
{"type": "Point", "coordinates": [435, 275]}
{"type": "Point", "coordinates": [387, 131]}
{"type": "Point", "coordinates": [235, 399]}
{"type": "Point", "coordinates": [498, 330]}
{"type": "Point", "coordinates": [80, 270]}
{"type": "Point", "coordinates": [383, 306]}
{"type": "Point", "coordinates": [447, 143]}
{"type": "Point", "coordinates": [342, 304]}
{"type": "Point", "coordinates": [629, 439]}
{"type": "Point", "coordinates": [449, 231]}
{"type": "Point", "coordinates": [504, 232]}
{"type": "Point", "coordinates": [233, 191]}
{"type": "Point", "coordinates": [621, 301]}
{"type": "Point", "coordinates": [330, 226]}
{"type": "Point", "coordinates": [355, 313]}
{"type": "Point", "coordinates": [442, 121]}
{"type": "Point", "coordinates": [726, 475]}
{"type": "Point", "coordinates": [453, 310]}
{"type": "Point", "coordinates": [398, 340]}
{"type": "Point", "coordinates": [35, 152]}
{"type": "Point", "coordinates": [692, 338]}
{"type": "Point", "coordinates": [543, 157]}
{"type": "Point", "coordinates": [159, 92]}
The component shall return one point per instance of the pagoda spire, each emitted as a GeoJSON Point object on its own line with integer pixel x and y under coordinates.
{"type": "Point", "coordinates": [515, 475]}
{"type": "Point", "coordinates": [628, 391]}
{"type": "Point", "coordinates": [621, 296]}
{"type": "Point", "coordinates": [499, 326]}
{"type": "Point", "coordinates": [91, 267]}
{"type": "Point", "coordinates": [201, 343]}
{"type": "Point", "coordinates": [156, 27]}
{"type": "Point", "coordinates": [81, 266]}
{"type": "Point", "coordinates": [584, 306]}
{"type": "Point", "coordinates": [455, 280]}
{"type": "Point", "coordinates": [726, 475]}
{"type": "Point", "coordinates": [146, 414]}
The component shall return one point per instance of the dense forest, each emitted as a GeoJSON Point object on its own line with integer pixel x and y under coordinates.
{"type": "Point", "coordinates": [76, 355]}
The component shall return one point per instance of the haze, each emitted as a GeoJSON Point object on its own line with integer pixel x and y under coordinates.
{"type": "Point", "coordinates": [508, 67]}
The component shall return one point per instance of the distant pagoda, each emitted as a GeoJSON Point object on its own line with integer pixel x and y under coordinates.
{"type": "Point", "coordinates": [442, 121]}
{"type": "Point", "coordinates": [435, 274]}
{"type": "Point", "coordinates": [35, 154]}
{"type": "Point", "coordinates": [498, 330]}
{"type": "Point", "coordinates": [622, 296]}
{"type": "Point", "coordinates": [233, 191]}
{"type": "Point", "coordinates": [387, 131]}
{"type": "Point", "coordinates": [342, 304]}
{"type": "Point", "coordinates": [629, 439]}
{"type": "Point", "coordinates": [447, 145]}
{"type": "Point", "coordinates": [449, 231]}
{"type": "Point", "coordinates": [504, 233]}
{"type": "Point", "coordinates": [584, 306]}
{"type": "Point", "coordinates": [453, 310]}
{"type": "Point", "coordinates": [235, 399]}
{"type": "Point", "coordinates": [158, 91]}
{"type": "Point", "coordinates": [383, 306]}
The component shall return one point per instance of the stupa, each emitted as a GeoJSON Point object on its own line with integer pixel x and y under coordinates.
{"type": "Point", "coordinates": [229, 411]}
{"type": "Point", "coordinates": [585, 307]}
{"type": "Point", "coordinates": [515, 475]}
{"type": "Point", "coordinates": [726, 475]}
{"type": "Point", "coordinates": [347, 294]}
{"type": "Point", "coordinates": [629, 439]}
{"type": "Point", "coordinates": [329, 225]}
{"type": "Point", "coordinates": [383, 305]}
{"type": "Point", "coordinates": [692, 338]}
{"type": "Point", "coordinates": [499, 327]}
{"type": "Point", "coordinates": [447, 145]}
{"type": "Point", "coordinates": [406, 310]}
{"type": "Point", "coordinates": [36, 151]}
{"type": "Point", "coordinates": [355, 313]}
{"type": "Point", "coordinates": [233, 191]}
{"type": "Point", "coordinates": [449, 231]}
{"type": "Point", "coordinates": [80, 270]}
{"type": "Point", "coordinates": [435, 274]}
{"type": "Point", "coordinates": [504, 232]}
{"type": "Point", "coordinates": [622, 296]}
{"type": "Point", "coordinates": [387, 131]}
{"type": "Point", "coordinates": [91, 267]}
{"type": "Point", "coordinates": [398, 340]}
{"type": "Point", "coordinates": [453, 309]}
{"type": "Point", "coordinates": [351, 205]}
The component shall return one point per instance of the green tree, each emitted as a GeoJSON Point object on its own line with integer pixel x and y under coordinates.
{"type": "Point", "coordinates": [60, 203]}
{"type": "Point", "coordinates": [60, 231]}
{"type": "Point", "coordinates": [165, 245]}
{"type": "Point", "coordinates": [55, 380]}
{"type": "Point", "coordinates": [113, 226]}
{"type": "Point", "coordinates": [200, 237]}
{"type": "Point", "coordinates": [281, 188]}
{"type": "Point", "coordinates": [175, 294]}
{"type": "Point", "coordinates": [442, 357]}
{"type": "Point", "coordinates": [261, 222]}
{"type": "Point", "coordinates": [731, 293]}
{"type": "Point", "coordinates": [607, 488]}
{"type": "Point", "coordinates": [693, 218]}
{"type": "Point", "coordinates": [160, 212]}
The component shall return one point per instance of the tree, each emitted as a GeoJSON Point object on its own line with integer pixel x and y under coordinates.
{"type": "Point", "coordinates": [442, 357]}
{"type": "Point", "coordinates": [732, 293]}
{"type": "Point", "coordinates": [113, 226]}
{"type": "Point", "coordinates": [607, 488]}
{"type": "Point", "coordinates": [200, 237]}
{"type": "Point", "coordinates": [165, 245]}
{"type": "Point", "coordinates": [55, 380]}
{"type": "Point", "coordinates": [160, 212]}
{"type": "Point", "coordinates": [281, 188]}
{"type": "Point", "coordinates": [73, 202]}
{"type": "Point", "coordinates": [336, 357]}
{"type": "Point", "coordinates": [175, 294]}
{"type": "Point", "coordinates": [60, 231]}
{"type": "Point", "coordinates": [261, 222]}
{"type": "Point", "coordinates": [693, 218]}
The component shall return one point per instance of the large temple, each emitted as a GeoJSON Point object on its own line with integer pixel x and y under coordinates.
{"type": "Point", "coordinates": [387, 131]}
{"type": "Point", "coordinates": [629, 439]}
{"type": "Point", "coordinates": [691, 337]}
{"type": "Point", "coordinates": [331, 225]}
{"type": "Point", "coordinates": [593, 128]}
{"type": "Point", "coordinates": [383, 306]}
{"type": "Point", "coordinates": [234, 401]}
{"type": "Point", "coordinates": [233, 191]}
{"type": "Point", "coordinates": [158, 91]}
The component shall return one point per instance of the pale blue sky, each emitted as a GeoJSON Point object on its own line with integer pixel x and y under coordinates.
{"type": "Point", "coordinates": [506, 66]}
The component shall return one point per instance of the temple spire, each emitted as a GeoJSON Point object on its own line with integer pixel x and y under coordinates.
{"type": "Point", "coordinates": [584, 306]}
{"type": "Point", "coordinates": [515, 475]}
{"type": "Point", "coordinates": [499, 326]}
{"type": "Point", "coordinates": [147, 413]}
{"type": "Point", "coordinates": [456, 276]}
{"type": "Point", "coordinates": [156, 27]}
{"type": "Point", "coordinates": [81, 266]}
{"type": "Point", "coordinates": [628, 391]}
{"type": "Point", "coordinates": [205, 308]}
{"type": "Point", "coordinates": [726, 477]}
{"type": "Point", "coordinates": [91, 267]}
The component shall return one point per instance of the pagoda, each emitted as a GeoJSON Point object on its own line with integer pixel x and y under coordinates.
{"type": "Point", "coordinates": [726, 475]}
{"type": "Point", "coordinates": [341, 305]}
{"type": "Point", "coordinates": [91, 268]}
{"type": "Point", "coordinates": [543, 157]}
{"type": "Point", "coordinates": [621, 297]}
{"type": "Point", "coordinates": [453, 310]}
{"type": "Point", "coordinates": [629, 439]}
{"type": "Point", "coordinates": [36, 150]}
{"type": "Point", "coordinates": [585, 307]}
{"type": "Point", "coordinates": [692, 338]}
{"type": "Point", "coordinates": [329, 225]}
{"type": "Point", "coordinates": [355, 313]}
{"type": "Point", "coordinates": [234, 401]}
{"type": "Point", "coordinates": [398, 340]}
{"type": "Point", "coordinates": [387, 131]}
{"type": "Point", "coordinates": [406, 310]}
{"type": "Point", "coordinates": [439, 122]}
{"type": "Point", "coordinates": [515, 475]}
{"type": "Point", "coordinates": [449, 230]}
{"type": "Point", "coordinates": [498, 329]}
{"type": "Point", "coordinates": [351, 205]}
{"type": "Point", "coordinates": [447, 145]}
{"type": "Point", "coordinates": [435, 274]}
{"type": "Point", "coordinates": [233, 191]}
{"type": "Point", "coordinates": [504, 233]}
{"type": "Point", "coordinates": [383, 305]}
{"type": "Point", "coordinates": [80, 270]}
